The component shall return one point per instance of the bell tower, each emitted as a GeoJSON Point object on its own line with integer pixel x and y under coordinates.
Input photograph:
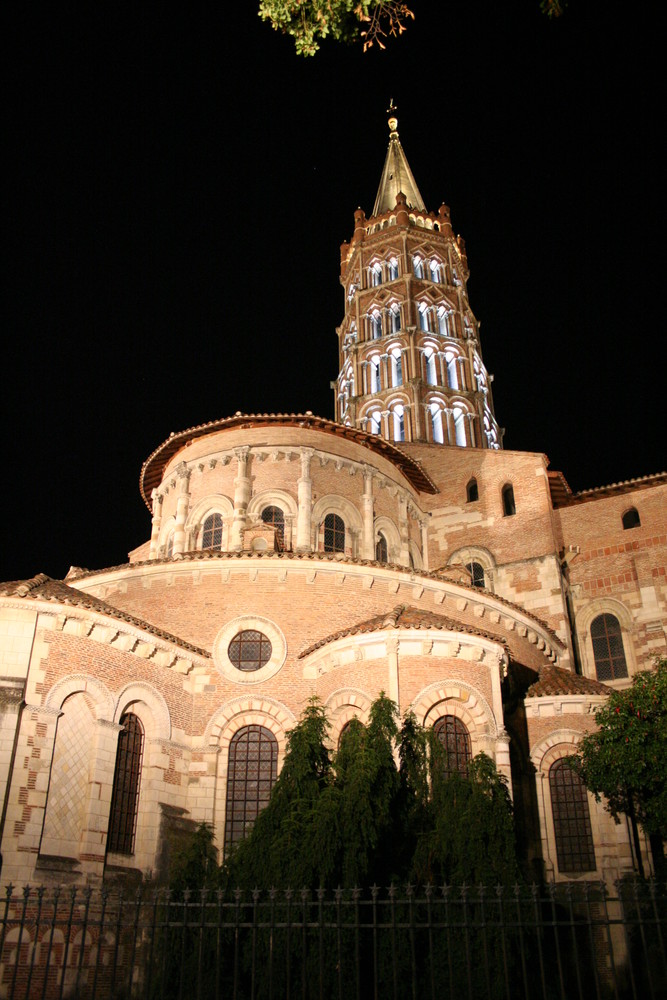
{"type": "Point", "coordinates": [411, 365]}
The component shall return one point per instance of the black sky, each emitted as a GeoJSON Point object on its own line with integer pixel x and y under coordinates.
{"type": "Point", "coordinates": [181, 185]}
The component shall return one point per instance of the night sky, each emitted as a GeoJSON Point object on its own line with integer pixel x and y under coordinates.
{"type": "Point", "coordinates": [181, 185]}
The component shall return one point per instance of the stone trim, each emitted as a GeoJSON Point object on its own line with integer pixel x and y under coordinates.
{"type": "Point", "coordinates": [246, 712]}
{"type": "Point", "coordinates": [227, 633]}
{"type": "Point", "coordinates": [343, 705]}
{"type": "Point", "coordinates": [456, 697]}
{"type": "Point", "coordinates": [153, 699]}
{"type": "Point", "coordinates": [103, 701]}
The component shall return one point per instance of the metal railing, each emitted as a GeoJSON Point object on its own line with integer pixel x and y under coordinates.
{"type": "Point", "coordinates": [561, 942]}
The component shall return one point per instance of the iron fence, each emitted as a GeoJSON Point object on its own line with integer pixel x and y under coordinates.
{"type": "Point", "coordinates": [523, 943]}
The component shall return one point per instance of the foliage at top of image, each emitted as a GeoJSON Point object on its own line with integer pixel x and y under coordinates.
{"type": "Point", "coordinates": [373, 22]}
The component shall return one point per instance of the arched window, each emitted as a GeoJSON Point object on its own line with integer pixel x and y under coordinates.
{"type": "Point", "coordinates": [435, 271]}
{"type": "Point", "coordinates": [572, 821]}
{"type": "Point", "coordinates": [429, 358]}
{"type": "Point", "coordinates": [376, 274]}
{"type": "Point", "coordinates": [399, 422]}
{"type": "Point", "coordinates": [436, 424]}
{"type": "Point", "coordinates": [251, 774]}
{"type": "Point", "coordinates": [509, 507]}
{"type": "Point", "coordinates": [476, 571]}
{"type": "Point", "coordinates": [334, 533]}
{"type": "Point", "coordinates": [608, 651]}
{"type": "Point", "coordinates": [374, 421]}
{"type": "Point", "coordinates": [212, 533]}
{"type": "Point", "coordinates": [170, 546]}
{"type": "Point", "coordinates": [395, 318]}
{"type": "Point", "coordinates": [472, 491]}
{"type": "Point", "coordinates": [396, 367]}
{"type": "Point", "coordinates": [275, 517]}
{"type": "Point", "coordinates": [452, 370]}
{"type": "Point", "coordinates": [460, 427]}
{"type": "Point", "coordinates": [631, 519]}
{"type": "Point", "coordinates": [423, 316]}
{"type": "Point", "coordinates": [443, 327]}
{"type": "Point", "coordinates": [126, 781]}
{"type": "Point", "coordinates": [455, 738]}
{"type": "Point", "coordinates": [381, 552]}
{"type": "Point", "coordinates": [393, 269]}
{"type": "Point", "coordinates": [374, 373]}
{"type": "Point", "coordinates": [418, 267]}
{"type": "Point", "coordinates": [376, 325]}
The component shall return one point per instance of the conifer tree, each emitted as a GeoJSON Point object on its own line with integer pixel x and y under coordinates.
{"type": "Point", "coordinates": [281, 849]}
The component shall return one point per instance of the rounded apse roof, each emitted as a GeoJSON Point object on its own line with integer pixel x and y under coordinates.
{"type": "Point", "coordinates": [153, 468]}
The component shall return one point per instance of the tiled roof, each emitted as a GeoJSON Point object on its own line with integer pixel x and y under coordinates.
{"type": "Point", "coordinates": [445, 573]}
{"type": "Point", "coordinates": [403, 616]}
{"type": "Point", "coordinates": [43, 588]}
{"type": "Point", "coordinates": [564, 497]}
{"type": "Point", "coordinates": [556, 681]}
{"type": "Point", "coordinates": [153, 468]}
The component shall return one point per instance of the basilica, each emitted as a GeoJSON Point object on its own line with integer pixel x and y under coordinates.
{"type": "Point", "coordinates": [397, 547]}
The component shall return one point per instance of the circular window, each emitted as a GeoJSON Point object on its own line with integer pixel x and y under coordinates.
{"type": "Point", "coordinates": [249, 650]}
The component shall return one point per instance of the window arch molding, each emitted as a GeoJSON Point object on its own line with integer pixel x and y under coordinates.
{"type": "Point", "coordinates": [584, 619]}
{"type": "Point", "coordinates": [390, 531]}
{"type": "Point", "coordinates": [272, 498]}
{"type": "Point", "coordinates": [333, 504]}
{"type": "Point", "coordinates": [146, 702]}
{"type": "Point", "coordinates": [475, 553]}
{"type": "Point", "coordinates": [454, 697]}
{"type": "Point", "coordinates": [215, 503]}
{"type": "Point", "coordinates": [98, 693]}
{"type": "Point", "coordinates": [341, 707]}
{"type": "Point", "coordinates": [166, 531]}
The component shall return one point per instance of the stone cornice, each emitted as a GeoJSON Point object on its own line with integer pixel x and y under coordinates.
{"type": "Point", "coordinates": [490, 610]}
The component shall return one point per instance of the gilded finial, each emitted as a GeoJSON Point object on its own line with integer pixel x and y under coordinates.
{"type": "Point", "coordinates": [393, 120]}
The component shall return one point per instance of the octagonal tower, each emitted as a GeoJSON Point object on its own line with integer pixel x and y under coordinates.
{"type": "Point", "coordinates": [411, 365]}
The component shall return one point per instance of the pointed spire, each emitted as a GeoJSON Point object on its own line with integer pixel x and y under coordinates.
{"type": "Point", "coordinates": [396, 175]}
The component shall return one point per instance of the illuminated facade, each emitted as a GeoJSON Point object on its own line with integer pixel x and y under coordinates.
{"type": "Point", "coordinates": [397, 548]}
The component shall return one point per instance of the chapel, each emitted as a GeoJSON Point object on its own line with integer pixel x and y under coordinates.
{"type": "Point", "coordinates": [397, 547]}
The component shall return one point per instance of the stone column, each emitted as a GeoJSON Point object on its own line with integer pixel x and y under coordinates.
{"type": "Point", "coordinates": [403, 530]}
{"type": "Point", "coordinates": [182, 507]}
{"type": "Point", "coordinates": [289, 532]}
{"type": "Point", "coordinates": [241, 498]}
{"type": "Point", "coordinates": [93, 843]}
{"type": "Point", "coordinates": [156, 522]}
{"type": "Point", "coordinates": [368, 534]}
{"type": "Point", "coordinates": [392, 669]}
{"type": "Point", "coordinates": [305, 503]}
{"type": "Point", "coordinates": [502, 753]}
{"type": "Point", "coordinates": [470, 417]}
{"type": "Point", "coordinates": [449, 431]}
{"type": "Point", "coordinates": [423, 524]}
